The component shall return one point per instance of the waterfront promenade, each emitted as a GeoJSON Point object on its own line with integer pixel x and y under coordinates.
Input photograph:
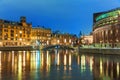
{"type": "Point", "coordinates": [110, 51]}
{"type": "Point", "coordinates": [27, 48]}
{"type": "Point", "coordinates": [18, 48]}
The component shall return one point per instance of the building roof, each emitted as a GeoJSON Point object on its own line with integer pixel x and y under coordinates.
{"type": "Point", "coordinates": [41, 27]}
{"type": "Point", "coordinates": [12, 22]}
{"type": "Point", "coordinates": [101, 15]}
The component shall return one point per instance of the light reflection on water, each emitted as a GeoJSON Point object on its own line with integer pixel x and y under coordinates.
{"type": "Point", "coordinates": [57, 65]}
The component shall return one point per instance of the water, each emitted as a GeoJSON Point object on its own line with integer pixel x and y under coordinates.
{"type": "Point", "coordinates": [58, 65]}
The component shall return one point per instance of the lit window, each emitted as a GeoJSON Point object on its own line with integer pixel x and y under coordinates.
{"type": "Point", "coordinates": [16, 35]}
{"type": "Point", "coordinates": [20, 39]}
{"type": "Point", "coordinates": [117, 40]}
{"type": "Point", "coordinates": [20, 32]}
{"type": "Point", "coordinates": [65, 40]}
{"type": "Point", "coordinates": [58, 41]}
{"type": "Point", "coordinates": [111, 31]}
{"type": "Point", "coordinates": [116, 31]}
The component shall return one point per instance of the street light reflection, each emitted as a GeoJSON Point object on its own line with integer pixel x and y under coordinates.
{"type": "Point", "coordinates": [118, 69]}
{"type": "Point", "coordinates": [83, 66]}
{"type": "Point", "coordinates": [101, 67]}
{"type": "Point", "coordinates": [58, 59]}
{"type": "Point", "coordinates": [65, 60]}
{"type": "Point", "coordinates": [91, 63]}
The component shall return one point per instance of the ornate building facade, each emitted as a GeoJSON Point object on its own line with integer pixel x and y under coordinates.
{"type": "Point", "coordinates": [15, 33]}
{"type": "Point", "coordinates": [87, 39]}
{"type": "Point", "coordinates": [106, 28]}
{"type": "Point", "coordinates": [41, 35]}
{"type": "Point", "coordinates": [23, 34]}
{"type": "Point", "coordinates": [63, 39]}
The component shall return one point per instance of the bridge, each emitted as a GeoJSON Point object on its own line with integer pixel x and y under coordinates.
{"type": "Point", "coordinates": [51, 47]}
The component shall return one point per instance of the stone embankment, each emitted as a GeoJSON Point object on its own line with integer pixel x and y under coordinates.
{"type": "Point", "coordinates": [18, 48]}
{"type": "Point", "coordinates": [99, 50]}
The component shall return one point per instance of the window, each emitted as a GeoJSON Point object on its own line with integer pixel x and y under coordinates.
{"type": "Point", "coordinates": [5, 26]}
{"type": "Point", "coordinates": [5, 38]}
{"type": "Point", "coordinates": [5, 30]}
{"type": "Point", "coordinates": [12, 31]}
{"type": "Point", "coordinates": [20, 35]}
{"type": "Point", "coordinates": [12, 35]}
{"type": "Point", "coordinates": [12, 38]}
{"type": "Point", "coordinates": [111, 32]}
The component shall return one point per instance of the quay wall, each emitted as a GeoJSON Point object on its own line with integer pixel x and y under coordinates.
{"type": "Point", "coordinates": [18, 48]}
{"type": "Point", "coordinates": [99, 51]}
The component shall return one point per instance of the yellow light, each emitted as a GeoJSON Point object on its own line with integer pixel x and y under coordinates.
{"type": "Point", "coordinates": [91, 63]}
{"type": "Point", "coordinates": [42, 59]}
{"type": "Point", "coordinates": [20, 66]}
{"type": "Point", "coordinates": [16, 35]}
{"type": "Point", "coordinates": [101, 66]}
{"type": "Point", "coordinates": [12, 59]}
{"type": "Point", "coordinates": [47, 58]}
{"type": "Point", "coordinates": [118, 69]}
{"type": "Point", "coordinates": [83, 60]}
{"type": "Point", "coordinates": [24, 58]}
{"type": "Point", "coordinates": [65, 59]}
{"type": "Point", "coordinates": [69, 59]}
{"type": "Point", "coordinates": [48, 65]}
{"type": "Point", "coordinates": [28, 55]}
{"type": "Point", "coordinates": [83, 67]}
{"type": "Point", "coordinates": [78, 60]}
{"type": "Point", "coordinates": [20, 39]}
{"type": "Point", "coordinates": [20, 32]}
{"type": "Point", "coordinates": [13, 62]}
{"type": "Point", "coordinates": [65, 40]}
{"type": "Point", "coordinates": [47, 42]}
{"type": "Point", "coordinates": [70, 41]}
{"type": "Point", "coordinates": [58, 62]}
{"type": "Point", "coordinates": [0, 43]}
{"type": "Point", "coordinates": [58, 41]}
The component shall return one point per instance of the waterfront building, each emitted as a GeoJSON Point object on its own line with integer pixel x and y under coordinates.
{"type": "Point", "coordinates": [23, 34]}
{"type": "Point", "coordinates": [15, 33]}
{"type": "Point", "coordinates": [41, 35]}
{"type": "Point", "coordinates": [63, 39]}
{"type": "Point", "coordinates": [87, 39]}
{"type": "Point", "coordinates": [106, 28]}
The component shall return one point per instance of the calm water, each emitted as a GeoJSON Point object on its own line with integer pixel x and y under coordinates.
{"type": "Point", "coordinates": [58, 65]}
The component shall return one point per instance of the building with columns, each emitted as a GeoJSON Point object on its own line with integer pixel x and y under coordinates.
{"type": "Point", "coordinates": [106, 28]}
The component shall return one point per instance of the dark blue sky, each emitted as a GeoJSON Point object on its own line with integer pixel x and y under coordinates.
{"type": "Point", "coordinates": [70, 16]}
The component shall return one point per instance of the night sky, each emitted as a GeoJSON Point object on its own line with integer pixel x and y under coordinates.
{"type": "Point", "coordinates": [70, 16]}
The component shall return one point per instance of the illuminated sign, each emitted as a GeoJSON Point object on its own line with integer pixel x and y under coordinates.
{"type": "Point", "coordinates": [110, 14]}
